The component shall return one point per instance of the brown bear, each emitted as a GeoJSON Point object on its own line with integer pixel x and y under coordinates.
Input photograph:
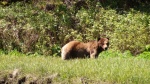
{"type": "Point", "coordinates": [77, 49]}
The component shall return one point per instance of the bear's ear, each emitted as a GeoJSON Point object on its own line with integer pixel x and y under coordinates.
{"type": "Point", "coordinates": [98, 38]}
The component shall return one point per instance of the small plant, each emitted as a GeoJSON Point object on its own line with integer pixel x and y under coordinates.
{"type": "Point", "coordinates": [147, 48]}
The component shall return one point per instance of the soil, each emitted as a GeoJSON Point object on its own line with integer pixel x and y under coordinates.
{"type": "Point", "coordinates": [15, 77]}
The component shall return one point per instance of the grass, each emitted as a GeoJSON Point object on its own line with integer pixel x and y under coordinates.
{"type": "Point", "coordinates": [130, 70]}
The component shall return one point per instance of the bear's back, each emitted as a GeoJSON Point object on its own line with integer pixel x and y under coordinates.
{"type": "Point", "coordinates": [75, 49]}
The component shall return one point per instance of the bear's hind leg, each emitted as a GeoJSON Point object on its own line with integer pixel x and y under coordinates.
{"type": "Point", "coordinates": [65, 55]}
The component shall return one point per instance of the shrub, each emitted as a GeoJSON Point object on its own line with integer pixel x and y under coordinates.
{"type": "Point", "coordinates": [127, 32]}
{"type": "Point", "coordinates": [31, 29]}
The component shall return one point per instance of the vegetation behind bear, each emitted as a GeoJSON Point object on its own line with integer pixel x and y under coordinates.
{"type": "Point", "coordinates": [32, 28]}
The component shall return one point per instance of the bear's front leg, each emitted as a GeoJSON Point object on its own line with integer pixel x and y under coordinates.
{"type": "Point", "coordinates": [93, 53]}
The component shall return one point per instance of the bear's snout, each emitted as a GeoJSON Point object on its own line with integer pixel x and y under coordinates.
{"type": "Point", "coordinates": [106, 48]}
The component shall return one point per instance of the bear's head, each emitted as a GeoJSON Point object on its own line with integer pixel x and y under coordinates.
{"type": "Point", "coordinates": [103, 43]}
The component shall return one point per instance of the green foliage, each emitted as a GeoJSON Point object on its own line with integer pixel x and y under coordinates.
{"type": "Point", "coordinates": [145, 55]}
{"type": "Point", "coordinates": [31, 29]}
{"type": "Point", "coordinates": [131, 33]}
{"type": "Point", "coordinates": [114, 53]}
{"type": "Point", "coordinates": [147, 48]}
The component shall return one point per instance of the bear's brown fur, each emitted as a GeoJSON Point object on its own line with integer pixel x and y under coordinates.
{"type": "Point", "coordinates": [76, 49]}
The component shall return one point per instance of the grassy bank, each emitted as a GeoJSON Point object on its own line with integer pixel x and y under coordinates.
{"type": "Point", "coordinates": [129, 70]}
{"type": "Point", "coordinates": [41, 28]}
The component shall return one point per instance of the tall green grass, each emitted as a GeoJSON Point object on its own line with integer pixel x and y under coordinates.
{"type": "Point", "coordinates": [124, 70]}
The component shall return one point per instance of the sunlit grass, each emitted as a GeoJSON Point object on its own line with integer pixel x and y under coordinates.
{"type": "Point", "coordinates": [112, 69]}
